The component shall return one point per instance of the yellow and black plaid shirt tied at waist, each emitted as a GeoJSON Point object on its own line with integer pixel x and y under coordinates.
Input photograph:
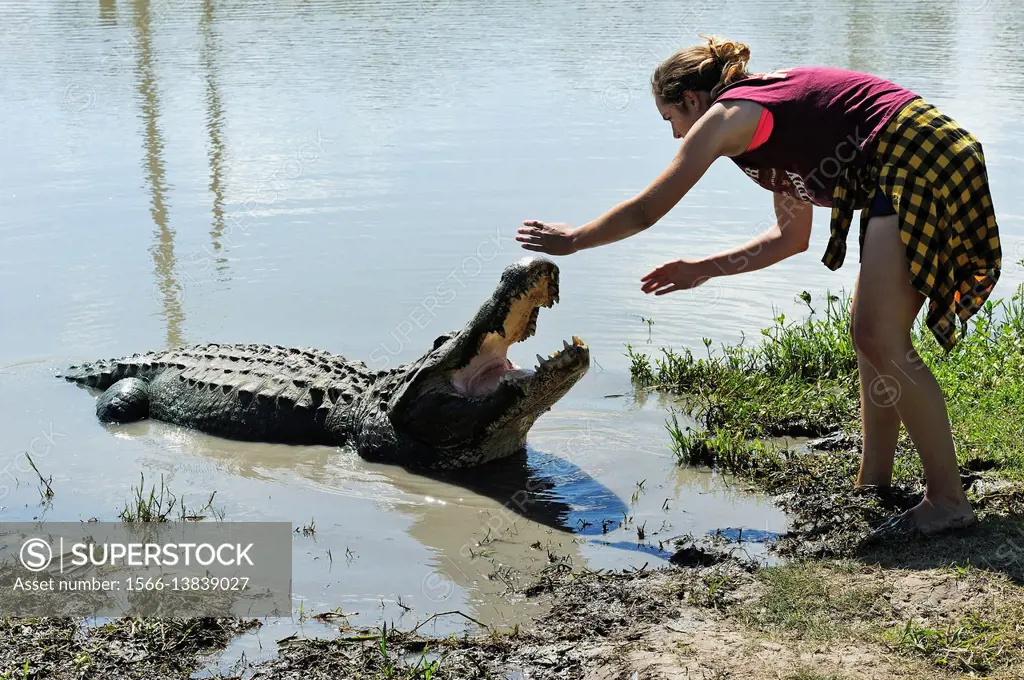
{"type": "Point", "coordinates": [934, 173]}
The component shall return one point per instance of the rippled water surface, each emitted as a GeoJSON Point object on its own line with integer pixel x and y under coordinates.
{"type": "Point", "coordinates": [308, 173]}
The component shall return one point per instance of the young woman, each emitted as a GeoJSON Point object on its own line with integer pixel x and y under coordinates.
{"type": "Point", "coordinates": [849, 141]}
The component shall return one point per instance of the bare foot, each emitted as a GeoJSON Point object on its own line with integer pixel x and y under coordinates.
{"type": "Point", "coordinates": [931, 518]}
{"type": "Point", "coordinates": [928, 518]}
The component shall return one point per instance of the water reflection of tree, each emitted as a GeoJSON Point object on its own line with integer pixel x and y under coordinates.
{"type": "Point", "coordinates": [162, 250]}
{"type": "Point", "coordinates": [214, 126]}
{"type": "Point", "coordinates": [108, 12]}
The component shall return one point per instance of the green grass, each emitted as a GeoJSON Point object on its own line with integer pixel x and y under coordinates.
{"type": "Point", "coordinates": [811, 601]}
{"type": "Point", "coordinates": [802, 378]}
{"type": "Point", "coordinates": [973, 642]}
{"type": "Point", "coordinates": [390, 666]}
{"type": "Point", "coordinates": [158, 506]}
{"type": "Point", "coordinates": [12, 675]}
{"type": "Point", "coordinates": [710, 590]}
{"type": "Point", "coordinates": [726, 449]}
{"type": "Point", "coordinates": [966, 644]}
{"type": "Point", "coordinates": [983, 379]}
{"type": "Point", "coordinates": [800, 374]}
{"type": "Point", "coordinates": [837, 600]}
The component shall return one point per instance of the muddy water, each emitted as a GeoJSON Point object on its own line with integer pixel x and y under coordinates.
{"type": "Point", "coordinates": [350, 176]}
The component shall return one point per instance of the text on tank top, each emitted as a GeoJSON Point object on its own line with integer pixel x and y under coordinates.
{"type": "Point", "coordinates": [823, 119]}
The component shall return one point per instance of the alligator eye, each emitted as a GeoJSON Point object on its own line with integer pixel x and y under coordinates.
{"type": "Point", "coordinates": [440, 340]}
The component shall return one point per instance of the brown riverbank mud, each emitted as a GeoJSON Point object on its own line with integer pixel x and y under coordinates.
{"type": "Point", "coordinates": [836, 621]}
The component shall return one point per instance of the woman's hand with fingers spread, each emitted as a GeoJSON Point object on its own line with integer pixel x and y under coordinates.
{"type": "Point", "coordinates": [546, 237]}
{"type": "Point", "coordinates": [676, 275]}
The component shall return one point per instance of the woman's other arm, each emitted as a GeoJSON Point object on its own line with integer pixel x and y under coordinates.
{"type": "Point", "coordinates": [789, 235]}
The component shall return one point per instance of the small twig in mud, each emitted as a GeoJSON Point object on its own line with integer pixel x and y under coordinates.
{"type": "Point", "coordinates": [640, 533]}
{"type": "Point", "coordinates": [48, 494]}
{"type": "Point", "coordinates": [598, 574]}
{"type": "Point", "coordinates": [455, 611]}
{"type": "Point", "coordinates": [308, 529]}
{"type": "Point", "coordinates": [333, 614]}
{"type": "Point", "coordinates": [403, 605]}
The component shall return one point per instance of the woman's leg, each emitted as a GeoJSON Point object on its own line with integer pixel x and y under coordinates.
{"type": "Point", "coordinates": [880, 426]}
{"type": "Point", "coordinates": [885, 308]}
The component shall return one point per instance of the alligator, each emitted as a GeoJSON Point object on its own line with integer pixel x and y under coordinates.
{"type": "Point", "coordinates": [461, 404]}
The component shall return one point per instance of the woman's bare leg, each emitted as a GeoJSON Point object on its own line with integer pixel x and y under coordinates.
{"type": "Point", "coordinates": [880, 427]}
{"type": "Point", "coordinates": [885, 308]}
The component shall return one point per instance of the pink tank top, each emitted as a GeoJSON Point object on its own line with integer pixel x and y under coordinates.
{"type": "Point", "coordinates": [822, 119]}
{"type": "Point", "coordinates": [763, 131]}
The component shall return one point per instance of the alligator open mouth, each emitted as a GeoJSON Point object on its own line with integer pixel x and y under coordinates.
{"type": "Point", "coordinates": [490, 367]}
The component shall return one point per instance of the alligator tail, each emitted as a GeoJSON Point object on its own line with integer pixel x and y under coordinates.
{"type": "Point", "coordinates": [99, 374]}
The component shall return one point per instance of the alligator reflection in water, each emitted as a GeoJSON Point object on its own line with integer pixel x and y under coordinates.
{"type": "Point", "coordinates": [545, 489]}
{"type": "Point", "coordinates": [500, 522]}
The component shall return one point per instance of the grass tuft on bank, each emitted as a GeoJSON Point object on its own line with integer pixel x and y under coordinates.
{"type": "Point", "coordinates": [801, 379]}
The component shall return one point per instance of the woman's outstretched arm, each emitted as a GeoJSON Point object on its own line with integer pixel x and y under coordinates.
{"type": "Point", "coordinates": [726, 129]}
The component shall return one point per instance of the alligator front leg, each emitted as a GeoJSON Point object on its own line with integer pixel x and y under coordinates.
{"type": "Point", "coordinates": [125, 401]}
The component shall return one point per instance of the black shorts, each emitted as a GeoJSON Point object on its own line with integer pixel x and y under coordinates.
{"type": "Point", "coordinates": [881, 206]}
